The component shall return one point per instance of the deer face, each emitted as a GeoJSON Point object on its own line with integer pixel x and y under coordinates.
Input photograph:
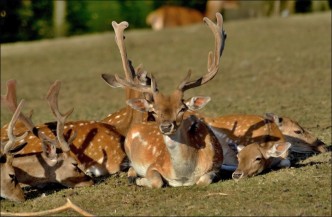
{"type": "Point", "coordinates": [10, 188]}
{"type": "Point", "coordinates": [254, 158]}
{"type": "Point", "coordinates": [70, 174]}
{"type": "Point", "coordinates": [168, 110]}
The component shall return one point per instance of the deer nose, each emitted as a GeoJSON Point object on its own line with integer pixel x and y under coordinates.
{"type": "Point", "coordinates": [166, 127]}
{"type": "Point", "coordinates": [237, 175]}
{"type": "Point", "coordinates": [320, 146]}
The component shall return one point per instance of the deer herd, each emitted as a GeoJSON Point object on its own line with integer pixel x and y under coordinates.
{"type": "Point", "coordinates": [159, 139]}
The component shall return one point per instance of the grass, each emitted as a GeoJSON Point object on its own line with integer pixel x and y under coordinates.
{"type": "Point", "coordinates": [280, 65]}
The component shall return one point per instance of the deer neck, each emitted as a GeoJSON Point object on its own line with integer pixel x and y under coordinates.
{"type": "Point", "coordinates": [184, 146]}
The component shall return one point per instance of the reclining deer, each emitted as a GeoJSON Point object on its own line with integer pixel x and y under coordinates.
{"type": "Point", "coordinates": [188, 152]}
{"type": "Point", "coordinates": [98, 148]}
{"type": "Point", "coordinates": [48, 165]}
{"type": "Point", "coordinates": [39, 169]}
{"type": "Point", "coordinates": [10, 187]}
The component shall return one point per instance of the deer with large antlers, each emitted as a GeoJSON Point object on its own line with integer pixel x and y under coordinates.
{"type": "Point", "coordinates": [97, 147]}
{"type": "Point", "coordinates": [48, 166]}
{"type": "Point", "coordinates": [10, 187]}
{"type": "Point", "coordinates": [189, 152]}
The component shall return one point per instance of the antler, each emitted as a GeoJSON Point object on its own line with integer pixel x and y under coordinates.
{"type": "Point", "coordinates": [130, 72]}
{"type": "Point", "coordinates": [213, 59]}
{"type": "Point", "coordinates": [68, 205]}
{"type": "Point", "coordinates": [12, 139]}
{"type": "Point", "coordinates": [119, 39]}
{"type": "Point", "coordinates": [52, 99]}
{"type": "Point", "coordinates": [9, 99]}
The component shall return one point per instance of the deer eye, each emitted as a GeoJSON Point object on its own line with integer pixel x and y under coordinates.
{"type": "Point", "coordinates": [258, 159]}
{"type": "Point", "coordinates": [13, 179]}
{"type": "Point", "coordinates": [77, 169]}
{"type": "Point", "coordinates": [298, 131]}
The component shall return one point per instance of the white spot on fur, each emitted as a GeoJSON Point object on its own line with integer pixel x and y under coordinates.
{"type": "Point", "coordinates": [134, 135]}
{"type": "Point", "coordinates": [100, 161]}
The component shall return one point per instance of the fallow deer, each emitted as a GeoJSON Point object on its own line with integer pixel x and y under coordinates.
{"type": "Point", "coordinates": [10, 188]}
{"type": "Point", "coordinates": [169, 16]}
{"type": "Point", "coordinates": [48, 166]}
{"type": "Point", "coordinates": [97, 147]}
{"type": "Point", "coordinates": [188, 153]}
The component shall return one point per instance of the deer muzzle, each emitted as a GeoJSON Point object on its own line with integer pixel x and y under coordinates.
{"type": "Point", "coordinates": [237, 175]}
{"type": "Point", "coordinates": [166, 127]}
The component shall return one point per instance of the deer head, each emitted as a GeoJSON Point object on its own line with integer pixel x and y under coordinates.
{"type": "Point", "coordinates": [301, 139]}
{"type": "Point", "coordinates": [10, 187]}
{"type": "Point", "coordinates": [255, 158]}
{"type": "Point", "coordinates": [48, 166]}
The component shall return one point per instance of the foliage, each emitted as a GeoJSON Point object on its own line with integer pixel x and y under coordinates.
{"type": "Point", "coordinates": [78, 17]}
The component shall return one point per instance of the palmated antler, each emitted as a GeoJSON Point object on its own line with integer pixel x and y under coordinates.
{"type": "Point", "coordinates": [132, 75]}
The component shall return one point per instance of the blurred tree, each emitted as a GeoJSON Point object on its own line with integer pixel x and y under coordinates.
{"type": "Point", "coordinates": [14, 20]}
{"type": "Point", "coordinates": [78, 17]}
{"type": "Point", "coordinates": [135, 12]}
{"type": "Point", "coordinates": [196, 4]}
{"type": "Point", "coordinates": [41, 20]}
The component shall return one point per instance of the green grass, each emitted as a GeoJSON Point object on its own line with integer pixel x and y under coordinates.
{"type": "Point", "coordinates": [280, 65]}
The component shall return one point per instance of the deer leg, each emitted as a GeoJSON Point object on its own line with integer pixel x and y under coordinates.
{"type": "Point", "coordinates": [152, 180]}
{"type": "Point", "coordinates": [206, 179]}
{"type": "Point", "coordinates": [132, 175]}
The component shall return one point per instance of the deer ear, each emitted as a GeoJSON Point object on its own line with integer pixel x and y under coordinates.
{"type": "Point", "coordinates": [239, 147]}
{"type": "Point", "coordinates": [197, 102]}
{"type": "Point", "coordinates": [278, 149]}
{"type": "Point", "coordinates": [49, 149]}
{"type": "Point", "coordinates": [275, 118]}
{"type": "Point", "coordinates": [139, 104]}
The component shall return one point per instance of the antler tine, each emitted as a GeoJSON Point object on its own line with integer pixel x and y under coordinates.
{"type": "Point", "coordinates": [52, 98]}
{"type": "Point", "coordinates": [9, 99]}
{"type": "Point", "coordinates": [119, 38]}
{"type": "Point", "coordinates": [10, 130]}
{"type": "Point", "coordinates": [213, 58]}
{"type": "Point", "coordinates": [139, 87]}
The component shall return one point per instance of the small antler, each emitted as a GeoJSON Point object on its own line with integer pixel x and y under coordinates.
{"type": "Point", "coordinates": [213, 58]}
{"type": "Point", "coordinates": [12, 139]}
{"type": "Point", "coordinates": [52, 99]}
